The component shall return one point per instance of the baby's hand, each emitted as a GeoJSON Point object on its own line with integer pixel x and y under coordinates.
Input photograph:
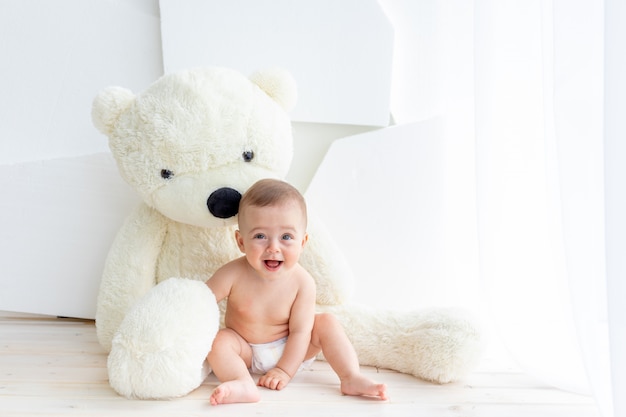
{"type": "Point", "coordinates": [275, 378]}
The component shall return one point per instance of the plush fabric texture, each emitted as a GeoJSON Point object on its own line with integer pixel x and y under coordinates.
{"type": "Point", "coordinates": [438, 345]}
{"type": "Point", "coordinates": [162, 356]}
{"type": "Point", "coordinates": [190, 145]}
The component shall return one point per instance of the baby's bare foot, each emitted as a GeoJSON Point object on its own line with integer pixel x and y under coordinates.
{"type": "Point", "coordinates": [235, 392]}
{"type": "Point", "coordinates": [360, 385]}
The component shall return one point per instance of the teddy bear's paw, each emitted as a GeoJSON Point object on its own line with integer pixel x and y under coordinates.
{"type": "Point", "coordinates": [445, 343]}
{"type": "Point", "coordinates": [437, 345]}
{"type": "Point", "coordinates": [160, 348]}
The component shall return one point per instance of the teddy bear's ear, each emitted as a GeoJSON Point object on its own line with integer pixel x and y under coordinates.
{"type": "Point", "coordinates": [107, 107]}
{"type": "Point", "coordinates": [279, 85]}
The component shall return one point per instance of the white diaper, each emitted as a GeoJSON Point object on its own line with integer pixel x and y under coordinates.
{"type": "Point", "coordinates": [265, 356]}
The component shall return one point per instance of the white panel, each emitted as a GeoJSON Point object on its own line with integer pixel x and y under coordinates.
{"type": "Point", "coordinates": [340, 52]}
{"type": "Point", "coordinates": [310, 143]}
{"type": "Point", "coordinates": [56, 55]}
{"type": "Point", "coordinates": [58, 220]}
{"type": "Point", "coordinates": [382, 195]}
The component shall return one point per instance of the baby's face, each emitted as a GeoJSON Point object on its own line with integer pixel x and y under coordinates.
{"type": "Point", "coordinates": [272, 238]}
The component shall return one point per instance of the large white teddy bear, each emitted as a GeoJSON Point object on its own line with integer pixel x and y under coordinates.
{"type": "Point", "coordinates": [190, 145]}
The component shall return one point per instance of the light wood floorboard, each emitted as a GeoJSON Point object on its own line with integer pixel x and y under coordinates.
{"type": "Point", "coordinates": [55, 367]}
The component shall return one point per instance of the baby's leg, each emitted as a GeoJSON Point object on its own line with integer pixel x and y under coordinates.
{"type": "Point", "coordinates": [229, 358]}
{"type": "Point", "coordinates": [329, 336]}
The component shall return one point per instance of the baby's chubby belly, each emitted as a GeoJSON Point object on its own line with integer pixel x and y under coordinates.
{"type": "Point", "coordinates": [257, 331]}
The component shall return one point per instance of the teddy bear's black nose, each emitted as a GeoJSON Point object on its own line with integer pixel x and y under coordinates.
{"type": "Point", "coordinates": [224, 202]}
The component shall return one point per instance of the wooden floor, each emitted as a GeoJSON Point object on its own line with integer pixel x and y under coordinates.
{"type": "Point", "coordinates": [55, 367]}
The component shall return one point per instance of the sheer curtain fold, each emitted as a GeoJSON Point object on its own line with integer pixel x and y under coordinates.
{"type": "Point", "coordinates": [544, 108]}
{"type": "Point", "coordinates": [539, 136]}
{"type": "Point", "coordinates": [615, 192]}
{"type": "Point", "coordinates": [520, 250]}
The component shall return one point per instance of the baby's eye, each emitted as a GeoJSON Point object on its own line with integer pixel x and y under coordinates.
{"type": "Point", "coordinates": [259, 236]}
{"type": "Point", "coordinates": [287, 237]}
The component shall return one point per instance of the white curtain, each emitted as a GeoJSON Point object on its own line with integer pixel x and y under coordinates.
{"type": "Point", "coordinates": [540, 180]}
{"type": "Point", "coordinates": [615, 192]}
{"type": "Point", "coordinates": [540, 118]}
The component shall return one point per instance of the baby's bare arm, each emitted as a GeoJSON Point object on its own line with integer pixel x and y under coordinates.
{"type": "Point", "coordinates": [222, 280]}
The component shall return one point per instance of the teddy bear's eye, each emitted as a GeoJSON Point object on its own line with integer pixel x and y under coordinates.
{"type": "Point", "coordinates": [166, 174]}
{"type": "Point", "coordinates": [247, 156]}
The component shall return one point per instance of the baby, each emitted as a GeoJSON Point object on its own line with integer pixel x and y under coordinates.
{"type": "Point", "coordinates": [271, 324]}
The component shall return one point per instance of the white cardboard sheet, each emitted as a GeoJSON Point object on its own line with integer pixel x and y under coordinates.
{"type": "Point", "coordinates": [59, 218]}
{"type": "Point", "coordinates": [56, 56]}
{"type": "Point", "coordinates": [340, 52]}
{"type": "Point", "coordinates": [381, 194]}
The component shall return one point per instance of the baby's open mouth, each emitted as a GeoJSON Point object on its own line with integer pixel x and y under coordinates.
{"type": "Point", "coordinates": [272, 263]}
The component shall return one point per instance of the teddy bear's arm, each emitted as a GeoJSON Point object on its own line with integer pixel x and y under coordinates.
{"type": "Point", "coordinates": [130, 269]}
{"type": "Point", "coordinates": [323, 259]}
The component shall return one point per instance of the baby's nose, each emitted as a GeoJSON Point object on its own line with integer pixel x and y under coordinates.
{"type": "Point", "coordinates": [272, 245]}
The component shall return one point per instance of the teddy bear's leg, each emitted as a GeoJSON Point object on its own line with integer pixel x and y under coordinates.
{"type": "Point", "coordinates": [438, 345]}
{"type": "Point", "coordinates": [160, 348]}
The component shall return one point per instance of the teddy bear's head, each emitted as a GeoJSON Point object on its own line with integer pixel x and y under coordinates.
{"type": "Point", "coordinates": [195, 140]}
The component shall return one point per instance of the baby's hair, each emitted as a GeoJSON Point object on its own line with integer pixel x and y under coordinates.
{"type": "Point", "coordinates": [270, 192]}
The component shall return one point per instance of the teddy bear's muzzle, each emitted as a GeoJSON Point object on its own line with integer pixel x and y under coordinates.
{"type": "Point", "coordinates": [224, 202]}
